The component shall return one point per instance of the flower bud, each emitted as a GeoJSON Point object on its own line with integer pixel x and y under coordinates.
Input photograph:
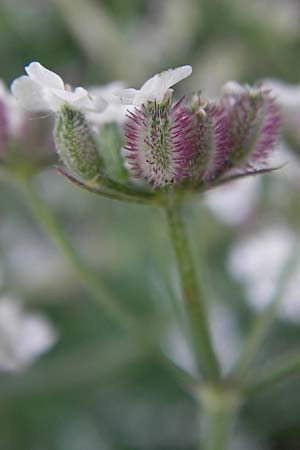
{"type": "Point", "coordinates": [76, 145]}
{"type": "Point", "coordinates": [159, 142]}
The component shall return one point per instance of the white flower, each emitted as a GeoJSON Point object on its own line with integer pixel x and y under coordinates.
{"type": "Point", "coordinates": [288, 98]}
{"type": "Point", "coordinates": [234, 202]}
{"type": "Point", "coordinates": [247, 262]}
{"type": "Point", "coordinates": [43, 90]}
{"type": "Point", "coordinates": [23, 336]}
{"type": "Point", "coordinates": [288, 95]}
{"type": "Point", "coordinates": [156, 88]}
{"type": "Point", "coordinates": [108, 105]}
{"type": "Point", "coordinates": [14, 117]}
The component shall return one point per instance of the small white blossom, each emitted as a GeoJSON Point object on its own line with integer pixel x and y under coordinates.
{"type": "Point", "coordinates": [108, 105]}
{"type": "Point", "coordinates": [23, 336]}
{"type": "Point", "coordinates": [42, 91]}
{"type": "Point", "coordinates": [156, 88]}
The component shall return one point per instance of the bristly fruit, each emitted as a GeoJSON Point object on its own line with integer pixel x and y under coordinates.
{"type": "Point", "coordinates": [160, 142]}
{"type": "Point", "coordinates": [253, 122]}
{"type": "Point", "coordinates": [209, 121]}
{"type": "Point", "coordinates": [76, 145]}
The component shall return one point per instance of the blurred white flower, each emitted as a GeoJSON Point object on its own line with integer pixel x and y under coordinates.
{"type": "Point", "coordinates": [11, 115]}
{"type": "Point", "coordinates": [258, 262]}
{"type": "Point", "coordinates": [23, 336]}
{"type": "Point", "coordinates": [108, 104]}
{"type": "Point", "coordinates": [42, 90]}
{"type": "Point", "coordinates": [234, 202]}
{"type": "Point", "coordinates": [288, 95]}
{"type": "Point", "coordinates": [156, 88]}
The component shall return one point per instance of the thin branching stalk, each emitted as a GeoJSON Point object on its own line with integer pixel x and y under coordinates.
{"type": "Point", "coordinates": [90, 281]}
{"type": "Point", "coordinates": [283, 368]}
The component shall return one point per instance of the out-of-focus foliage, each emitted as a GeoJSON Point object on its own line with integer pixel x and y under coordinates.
{"type": "Point", "coordinates": [96, 389]}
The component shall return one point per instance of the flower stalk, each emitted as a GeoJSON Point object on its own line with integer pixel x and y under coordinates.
{"type": "Point", "coordinates": [220, 404]}
{"type": "Point", "coordinates": [192, 292]}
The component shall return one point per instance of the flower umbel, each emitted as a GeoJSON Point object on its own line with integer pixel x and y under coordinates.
{"type": "Point", "coordinates": [193, 146]}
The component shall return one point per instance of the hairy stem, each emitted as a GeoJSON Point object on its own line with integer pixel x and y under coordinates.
{"type": "Point", "coordinates": [192, 294]}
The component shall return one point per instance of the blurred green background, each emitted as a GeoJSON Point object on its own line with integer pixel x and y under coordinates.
{"type": "Point", "coordinates": [96, 389]}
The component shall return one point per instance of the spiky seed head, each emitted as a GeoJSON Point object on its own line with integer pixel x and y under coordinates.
{"type": "Point", "coordinates": [76, 145]}
{"type": "Point", "coordinates": [159, 142]}
{"type": "Point", "coordinates": [253, 126]}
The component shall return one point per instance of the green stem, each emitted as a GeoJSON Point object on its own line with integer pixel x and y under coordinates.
{"type": "Point", "coordinates": [263, 323]}
{"type": "Point", "coordinates": [91, 283]}
{"type": "Point", "coordinates": [219, 407]}
{"type": "Point", "coordinates": [218, 430]}
{"type": "Point", "coordinates": [279, 371]}
{"type": "Point", "coordinates": [192, 294]}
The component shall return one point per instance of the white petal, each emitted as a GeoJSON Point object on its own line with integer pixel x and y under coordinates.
{"type": "Point", "coordinates": [43, 76]}
{"type": "Point", "coordinates": [99, 102]}
{"type": "Point", "coordinates": [79, 98]}
{"type": "Point", "coordinates": [127, 96]}
{"type": "Point", "coordinates": [29, 95]}
{"type": "Point", "coordinates": [107, 92]}
{"type": "Point", "coordinates": [156, 87]}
